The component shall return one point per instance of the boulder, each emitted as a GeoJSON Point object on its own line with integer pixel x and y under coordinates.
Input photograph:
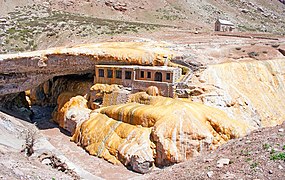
{"type": "Point", "coordinates": [152, 90]}
{"type": "Point", "coordinates": [116, 142]}
{"type": "Point", "coordinates": [71, 111]}
{"type": "Point", "coordinates": [106, 95]}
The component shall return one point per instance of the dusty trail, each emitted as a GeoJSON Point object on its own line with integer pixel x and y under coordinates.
{"type": "Point", "coordinates": [59, 138]}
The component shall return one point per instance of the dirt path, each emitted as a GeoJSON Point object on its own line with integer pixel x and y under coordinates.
{"type": "Point", "coordinates": [60, 140]}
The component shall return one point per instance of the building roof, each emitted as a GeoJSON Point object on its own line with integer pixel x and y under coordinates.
{"type": "Point", "coordinates": [226, 22]}
{"type": "Point", "coordinates": [165, 68]}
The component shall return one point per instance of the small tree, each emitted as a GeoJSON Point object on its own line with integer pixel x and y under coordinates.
{"type": "Point", "coordinates": [30, 140]}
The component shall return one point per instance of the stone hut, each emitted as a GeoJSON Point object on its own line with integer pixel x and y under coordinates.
{"type": "Point", "coordinates": [224, 25]}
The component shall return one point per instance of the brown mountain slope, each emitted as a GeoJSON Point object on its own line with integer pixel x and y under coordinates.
{"type": "Point", "coordinates": [261, 15]}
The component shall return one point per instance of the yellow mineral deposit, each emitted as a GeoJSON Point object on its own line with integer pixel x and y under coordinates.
{"type": "Point", "coordinates": [148, 129]}
{"type": "Point", "coordinates": [152, 90]}
{"type": "Point", "coordinates": [116, 141]}
{"type": "Point", "coordinates": [70, 111]}
{"type": "Point", "coordinates": [107, 94]}
{"type": "Point", "coordinates": [141, 53]}
{"type": "Point", "coordinates": [181, 128]}
{"type": "Point", "coordinates": [251, 91]}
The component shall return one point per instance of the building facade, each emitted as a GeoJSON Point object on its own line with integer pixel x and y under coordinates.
{"type": "Point", "coordinates": [224, 25]}
{"type": "Point", "coordinates": [139, 77]}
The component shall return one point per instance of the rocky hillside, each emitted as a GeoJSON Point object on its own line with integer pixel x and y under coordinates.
{"type": "Point", "coordinates": [37, 24]}
{"type": "Point", "coordinates": [255, 14]}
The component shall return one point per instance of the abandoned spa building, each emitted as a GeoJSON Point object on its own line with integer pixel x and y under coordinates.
{"type": "Point", "coordinates": [139, 77]}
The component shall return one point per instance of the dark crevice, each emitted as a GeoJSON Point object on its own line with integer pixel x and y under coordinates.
{"type": "Point", "coordinates": [281, 51]}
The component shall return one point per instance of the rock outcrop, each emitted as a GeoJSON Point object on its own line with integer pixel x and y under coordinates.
{"type": "Point", "coordinates": [181, 128]}
{"type": "Point", "coordinates": [71, 111]}
{"type": "Point", "coordinates": [46, 94]}
{"type": "Point", "coordinates": [116, 142]}
{"type": "Point", "coordinates": [149, 129]}
{"type": "Point", "coordinates": [106, 95]}
{"type": "Point", "coordinates": [250, 91]}
{"type": "Point", "coordinates": [24, 71]}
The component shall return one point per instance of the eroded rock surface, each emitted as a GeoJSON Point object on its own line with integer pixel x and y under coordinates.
{"type": "Point", "coordinates": [181, 128]}
{"type": "Point", "coordinates": [116, 141]}
{"type": "Point", "coordinates": [150, 129]}
{"type": "Point", "coordinates": [71, 111]}
{"type": "Point", "coordinates": [24, 71]}
{"type": "Point", "coordinates": [47, 93]}
{"type": "Point", "coordinates": [251, 91]}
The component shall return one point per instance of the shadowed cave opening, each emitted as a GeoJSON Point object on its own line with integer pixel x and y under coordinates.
{"type": "Point", "coordinates": [42, 99]}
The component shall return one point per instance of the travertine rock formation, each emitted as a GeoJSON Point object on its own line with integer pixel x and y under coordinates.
{"type": "Point", "coordinates": [24, 71]}
{"type": "Point", "coordinates": [47, 93]}
{"type": "Point", "coordinates": [181, 128]}
{"type": "Point", "coordinates": [71, 111]}
{"type": "Point", "coordinates": [250, 91]}
{"type": "Point", "coordinates": [106, 95]}
{"type": "Point", "coordinates": [149, 129]}
{"type": "Point", "coordinates": [116, 141]}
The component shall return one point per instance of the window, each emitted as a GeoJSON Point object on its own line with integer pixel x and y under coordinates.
{"type": "Point", "coordinates": [167, 76]}
{"type": "Point", "coordinates": [118, 74]}
{"type": "Point", "coordinates": [110, 73]}
{"type": "Point", "coordinates": [142, 74]}
{"type": "Point", "coordinates": [101, 72]}
{"type": "Point", "coordinates": [128, 75]}
{"type": "Point", "coordinates": [148, 74]}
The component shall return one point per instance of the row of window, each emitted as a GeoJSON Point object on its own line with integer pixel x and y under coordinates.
{"type": "Point", "coordinates": [128, 74]}
{"type": "Point", "coordinates": [149, 75]}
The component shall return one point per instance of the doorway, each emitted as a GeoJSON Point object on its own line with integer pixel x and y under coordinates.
{"type": "Point", "coordinates": [158, 76]}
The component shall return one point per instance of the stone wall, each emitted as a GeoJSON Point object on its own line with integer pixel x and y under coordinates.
{"type": "Point", "coordinates": [165, 89]}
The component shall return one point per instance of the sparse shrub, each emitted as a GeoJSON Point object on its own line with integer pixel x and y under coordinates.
{"type": "Point", "coordinates": [283, 147]}
{"type": "Point", "coordinates": [254, 165]}
{"type": "Point", "coordinates": [245, 152]}
{"type": "Point", "coordinates": [278, 156]}
{"type": "Point", "coordinates": [30, 140]}
{"type": "Point", "coordinates": [253, 54]}
{"type": "Point", "coordinates": [266, 146]}
{"type": "Point", "coordinates": [238, 48]}
{"type": "Point", "coordinates": [248, 159]}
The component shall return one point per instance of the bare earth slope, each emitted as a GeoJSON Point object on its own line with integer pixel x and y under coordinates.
{"type": "Point", "coordinates": [13, 163]}
{"type": "Point", "coordinates": [256, 14]}
{"type": "Point", "coordinates": [36, 24]}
